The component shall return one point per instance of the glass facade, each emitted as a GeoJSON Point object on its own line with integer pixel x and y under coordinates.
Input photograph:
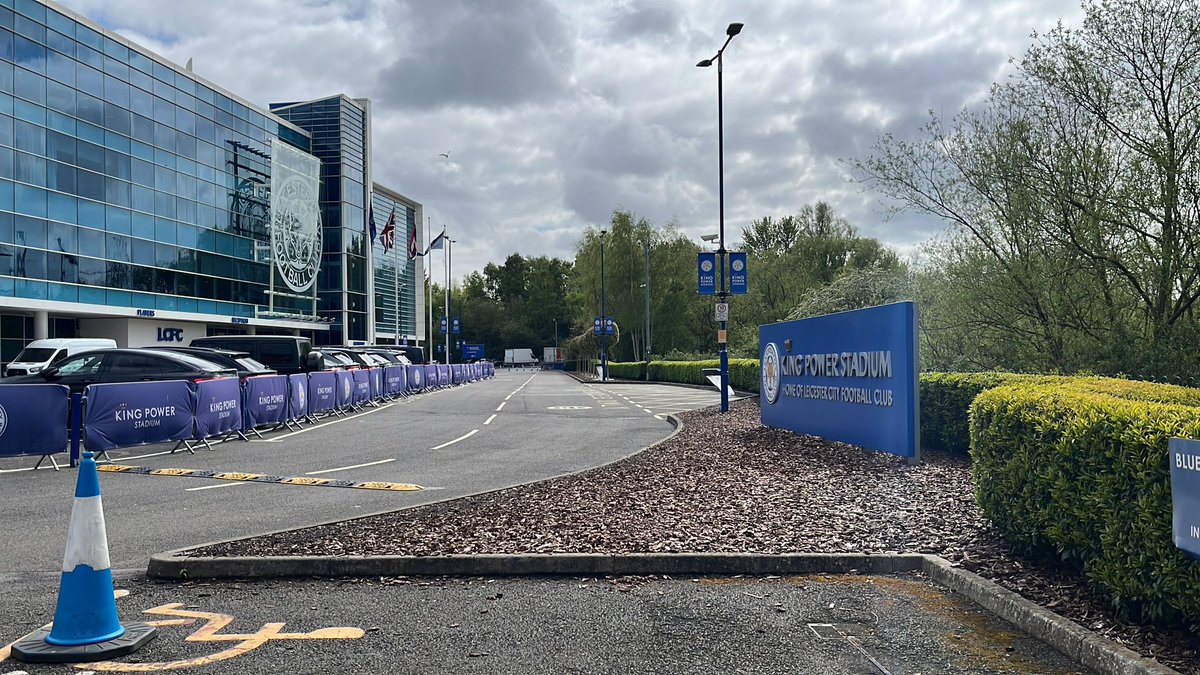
{"type": "Point", "coordinates": [339, 126]}
{"type": "Point", "coordinates": [396, 290]}
{"type": "Point", "coordinates": [125, 181]}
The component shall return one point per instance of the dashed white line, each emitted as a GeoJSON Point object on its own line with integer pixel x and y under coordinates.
{"type": "Point", "coordinates": [501, 406]}
{"type": "Point", "coordinates": [346, 468]}
{"type": "Point", "coordinates": [460, 438]}
{"type": "Point", "coordinates": [489, 420]}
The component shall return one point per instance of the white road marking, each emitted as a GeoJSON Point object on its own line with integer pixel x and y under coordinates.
{"type": "Point", "coordinates": [501, 406]}
{"type": "Point", "coordinates": [489, 420]}
{"type": "Point", "coordinates": [214, 487]}
{"type": "Point", "coordinates": [346, 468]}
{"type": "Point", "coordinates": [509, 396]}
{"type": "Point", "coordinates": [332, 422]}
{"type": "Point", "coordinates": [460, 438]}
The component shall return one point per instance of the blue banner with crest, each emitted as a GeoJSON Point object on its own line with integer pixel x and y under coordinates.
{"type": "Point", "coordinates": [297, 396]}
{"type": "Point", "coordinates": [395, 380]}
{"type": "Point", "coordinates": [266, 401]}
{"type": "Point", "coordinates": [33, 419]}
{"type": "Point", "coordinates": [345, 388]}
{"type": "Point", "coordinates": [218, 407]}
{"type": "Point", "coordinates": [322, 392]}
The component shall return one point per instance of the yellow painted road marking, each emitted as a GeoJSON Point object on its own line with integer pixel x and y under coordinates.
{"type": "Point", "coordinates": [208, 633]}
{"type": "Point", "coordinates": [295, 480]}
{"type": "Point", "coordinates": [395, 487]}
{"type": "Point", "coordinates": [305, 481]}
{"type": "Point", "coordinates": [114, 467]}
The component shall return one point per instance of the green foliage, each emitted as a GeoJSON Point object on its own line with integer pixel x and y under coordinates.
{"type": "Point", "coordinates": [946, 399]}
{"type": "Point", "coordinates": [743, 373]}
{"type": "Point", "coordinates": [1077, 469]}
{"type": "Point", "coordinates": [627, 371]}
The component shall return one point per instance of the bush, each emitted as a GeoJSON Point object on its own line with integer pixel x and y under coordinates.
{"type": "Point", "coordinates": [945, 400]}
{"type": "Point", "coordinates": [743, 373]}
{"type": "Point", "coordinates": [1077, 469]}
{"type": "Point", "coordinates": [635, 370]}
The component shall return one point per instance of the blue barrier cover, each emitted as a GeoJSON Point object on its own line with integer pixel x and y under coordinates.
{"type": "Point", "coordinates": [362, 386]}
{"type": "Point", "coordinates": [431, 375]}
{"type": "Point", "coordinates": [266, 400]}
{"type": "Point", "coordinates": [377, 390]}
{"type": "Point", "coordinates": [138, 413]}
{"type": "Point", "coordinates": [416, 377]}
{"type": "Point", "coordinates": [850, 377]}
{"type": "Point", "coordinates": [322, 391]}
{"type": "Point", "coordinates": [33, 419]}
{"type": "Point", "coordinates": [345, 388]}
{"type": "Point", "coordinates": [298, 396]}
{"type": "Point", "coordinates": [395, 379]}
{"type": "Point", "coordinates": [456, 373]}
{"type": "Point", "coordinates": [218, 407]}
{"type": "Point", "coordinates": [443, 375]}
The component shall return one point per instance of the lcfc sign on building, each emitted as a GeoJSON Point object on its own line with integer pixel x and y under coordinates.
{"type": "Point", "coordinates": [849, 377]}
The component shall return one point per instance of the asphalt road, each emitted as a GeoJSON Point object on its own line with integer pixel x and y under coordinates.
{"type": "Point", "coordinates": [522, 426]}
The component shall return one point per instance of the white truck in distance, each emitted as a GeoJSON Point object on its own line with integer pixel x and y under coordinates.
{"type": "Point", "coordinates": [519, 357]}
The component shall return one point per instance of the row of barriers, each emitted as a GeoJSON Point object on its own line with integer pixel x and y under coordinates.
{"type": "Point", "coordinates": [45, 419]}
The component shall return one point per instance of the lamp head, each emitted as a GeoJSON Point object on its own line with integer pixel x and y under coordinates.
{"type": "Point", "coordinates": [710, 238]}
{"type": "Point", "coordinates": [734, 29]}
{"type": "Point", "coordinates": [704, 64]}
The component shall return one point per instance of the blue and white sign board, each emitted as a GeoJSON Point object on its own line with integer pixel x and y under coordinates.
{"type": "Point", "coordinates": [455, 325]}
{"type": "Point", "coordinates": [604, 326]}
{"type": "Point", "coordinates": [472, 352]}
{"type": "Point", "coordinates": [849, 377]}
{"type": "Point", "coordinates": [443, 324]}
{"type": "Point", "coordinates": [706, 273]}
{"type": "Point", "coordinates": [1184, 455]}
{"type": "Point", "coordinates": [737, 273]}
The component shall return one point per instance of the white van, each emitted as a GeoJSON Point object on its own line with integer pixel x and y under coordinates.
{"type": "Point", "coordinates": [41, 353]}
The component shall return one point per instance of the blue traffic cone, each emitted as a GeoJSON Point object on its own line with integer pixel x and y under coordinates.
{"type": "Point", "coordinates": [86, 627]}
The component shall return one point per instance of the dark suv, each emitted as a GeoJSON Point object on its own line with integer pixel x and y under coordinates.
{"type": "Point", "coordinates": [286, 354]}
{"type": "Point", "coordinates": [245, 364]}
{"type": "Point", "coordinates": [102, 366]}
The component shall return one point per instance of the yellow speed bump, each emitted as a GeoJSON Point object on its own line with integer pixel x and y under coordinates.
{"type": "Point", "coordinates": [262, 478]}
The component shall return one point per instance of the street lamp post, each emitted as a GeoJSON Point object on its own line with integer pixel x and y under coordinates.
{"type": "Point", "coordinates": [603, 316]}
{"type": "Point", "coordinates": [646, 285]}
{"type": "Point", "coordinates": [730, 32]}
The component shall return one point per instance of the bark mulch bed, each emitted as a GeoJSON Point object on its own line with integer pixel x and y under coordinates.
{"type": "Point", "coordinates": [727, 484]}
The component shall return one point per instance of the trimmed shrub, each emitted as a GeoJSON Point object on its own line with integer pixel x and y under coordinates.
{"type": "Point", "coordinates": [743, 373]}
{"type": "Point", "coordinates": [635, 370]}
{"type": "Point", "coordinates": [945, 399]}
{"type": "Point", "coordinates": [1077, 469]}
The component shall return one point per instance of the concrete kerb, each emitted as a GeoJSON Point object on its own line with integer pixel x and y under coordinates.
{"type": "Point", "coordinates": [1087, 648]}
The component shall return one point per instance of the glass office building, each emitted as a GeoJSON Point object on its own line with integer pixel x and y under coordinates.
{"type": "Point", "coordinates": [398, 280]}
{"type": "Point", "coordinates": [136, 196]}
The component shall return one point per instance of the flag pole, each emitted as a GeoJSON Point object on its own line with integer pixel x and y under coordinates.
{"type": "Point", "coordinates": [396, 297]}
{"type": "Point", "coordinates": [446, 295]}
{"type": "Point", "coordinates": [428, 291]}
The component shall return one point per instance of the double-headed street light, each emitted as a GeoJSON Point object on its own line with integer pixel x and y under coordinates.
{"type": "Point", "coordinates": [730, 32]}
{"type": "Point", "coordinates": [646, 285]}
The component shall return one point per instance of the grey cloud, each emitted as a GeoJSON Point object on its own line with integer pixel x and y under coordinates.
{"type": "Point", "coordinates": [645, 19]}
{"type": "Point", "coordinates": [460, 53]}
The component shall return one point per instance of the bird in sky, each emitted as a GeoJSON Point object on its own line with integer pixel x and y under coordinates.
{"type": "Point", "coordinates": [445, 154]}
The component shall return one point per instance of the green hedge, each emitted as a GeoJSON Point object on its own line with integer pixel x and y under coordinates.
{"type": "Point", "coordinates": [743, 373]}
{"type": "Point", "coordinates": [946, 398]}
{"type": "Point", "coordinates": [627, 371]}
{"type": "Point", "coordinates": [1079, 470]}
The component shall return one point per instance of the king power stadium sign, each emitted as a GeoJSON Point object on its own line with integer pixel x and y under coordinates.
{"type": "Point", "coordinates": [849, 377]}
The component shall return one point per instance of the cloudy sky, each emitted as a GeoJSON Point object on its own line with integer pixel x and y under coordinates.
{"type": "Point", "coordinates": [555, 112]}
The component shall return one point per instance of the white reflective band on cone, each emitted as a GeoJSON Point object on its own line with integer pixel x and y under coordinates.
{"type": "Point", "coordinates": [87, 540]}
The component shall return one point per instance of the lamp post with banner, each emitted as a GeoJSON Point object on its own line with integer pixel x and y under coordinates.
{"type": "Point", "coordinates": [730, 32]}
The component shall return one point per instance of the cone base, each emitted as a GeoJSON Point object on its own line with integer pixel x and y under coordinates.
{"type": "Point", "coordinates": [33, 648]}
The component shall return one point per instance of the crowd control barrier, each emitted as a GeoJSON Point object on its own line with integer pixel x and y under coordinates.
{"type": "Point", "coordinates": [266, 402]}
{"type": "Point", "coordinates": [138, 413]}
{"type": "Point", "coordinates": [219, 408]}
{"type": "Point", "coordinates": [35, 419]}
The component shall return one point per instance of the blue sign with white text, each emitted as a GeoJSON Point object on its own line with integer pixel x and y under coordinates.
{"type": "Point", "coordinates": [706, 273]}
{"type": "Point", "coordinates": [849, 377]}
{"type": "Point", "coordinates": [455, 325]}
{"type": "Point", "coordinates": [218, 407]}
{"type": "Point", "coordinates": [266, 400]}
{"type": "Point", "coordinates": [138, 413]}
{"type": "Point", "coordinates": [737, 273]}
{"type": "Point", "coordinates": [472, 352]}
{"type": "Point", "coordinates": [322, 392]}
{"type": "Point", "coordinates": [1184, 455]}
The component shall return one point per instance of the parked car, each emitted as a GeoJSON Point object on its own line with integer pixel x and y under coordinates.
{"type": "Point", "coordinates": [334, 360]}
{"type": "Point", "coordinates": [102, 366]}
{"type": "Point", "coordinates": [358, 360]}
{"type": "Point", "coordinates": [392, 356]}
{"type": "Point", "coordinates": [41, 353]}
{"type": "Point", "coordinates": [245, 365]}
{"type": "Point", "coordinates": [287, 354]}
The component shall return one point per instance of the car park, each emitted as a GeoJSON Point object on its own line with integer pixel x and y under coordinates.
{"type": "Point", "coordinates": [287, 354]}
{"type": "Point", "coordinates": [245, 365]}
{"type": "Point", "coordinates": [104, 366]}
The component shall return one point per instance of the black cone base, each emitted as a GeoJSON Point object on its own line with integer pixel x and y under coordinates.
{"type": "Point", "coordinates": [33, 648]}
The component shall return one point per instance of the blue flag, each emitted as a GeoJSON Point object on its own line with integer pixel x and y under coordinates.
{"type": "Point", "coordinates": [437, 242]}
{"type": "Point", "coordinates": [371, 223]}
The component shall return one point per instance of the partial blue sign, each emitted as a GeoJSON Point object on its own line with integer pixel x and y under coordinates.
{"type": "Point", "coordinates": [33, 419]}
{"type": "Point", "coordinates": [218, 407]}
{"type": "Point", "coordinates": [1184, 455]}
{"type": "Point", "coordinates": [377, 390]}
{"type": "Point", "coordinates": [737, 273]}
{"type": "Point", "coordinates": [297, 396]}
{"type": "Point", "coordinates": [362, 386]}
{"type": "Point", "coordinates": [322, 392]}
{"type": "Point", "coordinates": [706, 273]}
{"type": "Point", "coordinates": [455, 325]}
{"type": "Point", "coordinates": [138, 413]}
{"type": "Point", "coordinates": [443, 324]}
{"type": "Point", "coordinates": [472, 352]}
{"type": "Point", "coordinates": [431, 376]}
{"type": "Point", "coordinates": [849, 377]}
{"type": "Point", "coordinates": [444, 375]}
{"type": "Point", "coordinates": [266, 400]}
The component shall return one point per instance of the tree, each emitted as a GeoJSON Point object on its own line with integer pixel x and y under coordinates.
{"type": "Point", "coordinates": [1081, 174]}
